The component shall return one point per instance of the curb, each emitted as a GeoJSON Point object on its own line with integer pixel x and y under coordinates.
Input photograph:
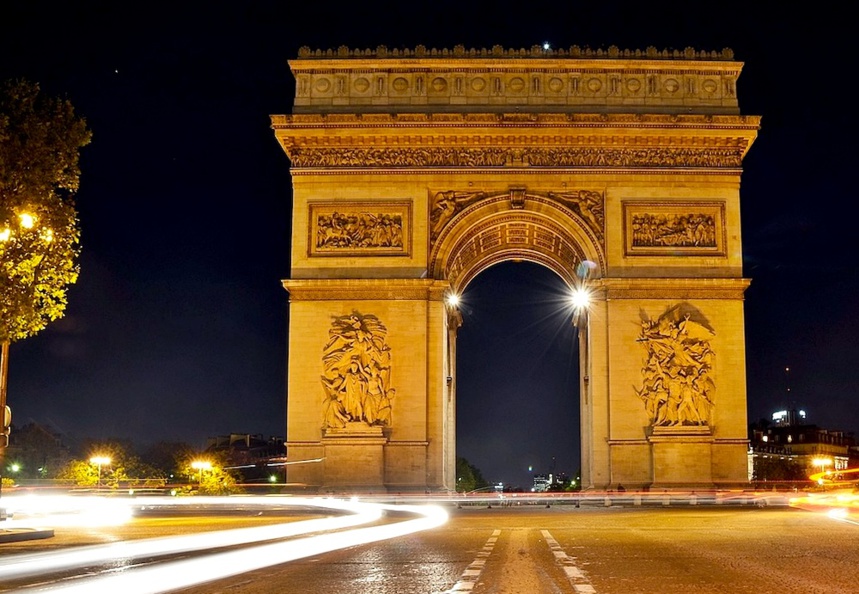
{"type": "Point", "coordinates": [22, 534]}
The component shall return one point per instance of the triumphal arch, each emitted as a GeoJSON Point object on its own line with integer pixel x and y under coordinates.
{"type": "Point", "coordinates": [415, 170]}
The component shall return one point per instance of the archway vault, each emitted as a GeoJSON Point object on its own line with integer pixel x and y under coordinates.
{"type": "Point", "coordinates": [518, 225]}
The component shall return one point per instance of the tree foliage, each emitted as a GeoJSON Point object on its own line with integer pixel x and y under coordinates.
{"type": "Point", "coordinates": [468, 477]}
{"type": "Point", "coordinates": [40, 142]}
{"type": "Point", "coordinates": [39, 452]}
{"type": "Point", "coordinates": [125, 469]}
{"type": "Point", "coordinates": [216, 479]}
{"type": "Point", "coordinates": [777, 468]}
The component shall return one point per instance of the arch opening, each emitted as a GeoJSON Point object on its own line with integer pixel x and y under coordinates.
{"type": "Point", "coordinates": [520, 415]}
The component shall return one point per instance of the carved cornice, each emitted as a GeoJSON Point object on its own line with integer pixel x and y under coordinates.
{"type": "Point", "coordinates": [673, 288]}
{"type": "Point", "coordinates": [515, 157]}
{"type": "Point", "coordinates": [364, 289]}
{"type": "Point", "coordinates": [465, 120]}
{"type": "Point", "coordinates": [497, 51]}
{"type": "Point", "coordinates": [515, 140]}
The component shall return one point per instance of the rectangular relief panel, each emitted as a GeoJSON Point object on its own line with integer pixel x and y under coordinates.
{"type": "Point", "coordinates": [360, 229]}
{"type": "Point", "coordinates": [674, 229]}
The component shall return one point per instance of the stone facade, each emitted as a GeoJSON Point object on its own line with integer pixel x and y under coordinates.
{"type": "Point", "coordinates": [404, 191]}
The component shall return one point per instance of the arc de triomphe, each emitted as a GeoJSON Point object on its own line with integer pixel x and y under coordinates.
{"type": "Point", "coordinates": [414, 170]}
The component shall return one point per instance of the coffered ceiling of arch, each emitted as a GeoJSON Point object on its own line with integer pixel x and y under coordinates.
{"type": "Point", "coordinates": [515, 226]}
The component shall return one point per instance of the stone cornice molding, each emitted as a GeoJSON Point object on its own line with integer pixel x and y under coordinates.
{"type": "Point", "coordinates": [530, 120]}
{"type": "Point", "coordinates": [365, 289]}
{"type": "Point", "coordinates": [515, 140]}
{"type": "Point", "coordinates": [498, 51]}
{"type": "Point", "coordinates": [671, 288]}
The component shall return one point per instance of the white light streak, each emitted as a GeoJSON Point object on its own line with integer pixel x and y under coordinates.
{"type": "Point", "coordinates": [173, 575]}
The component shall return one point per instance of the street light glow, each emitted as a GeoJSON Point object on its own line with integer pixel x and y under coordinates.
{"type": "Point", "coordinates": [580, 298]}
{"type": "Point", "coordinates": [452, 299]}
{"type": "Point", "coordinates": [27, 220]}
{"type": "Point", "coordinates": [99, 461]}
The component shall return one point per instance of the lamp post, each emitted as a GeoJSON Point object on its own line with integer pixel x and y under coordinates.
{"type": "Point", "coordinates": [201, 465]}
{"type": "Point", "coordinates": [99, 461]}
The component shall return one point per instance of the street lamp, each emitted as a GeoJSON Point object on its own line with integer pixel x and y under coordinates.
{"type": "Point", "coordinates": [99, 461]}
{"type": "Point", "coordinates": [201, 465]}
{"type": "Point", "coordinates": [823, 463]}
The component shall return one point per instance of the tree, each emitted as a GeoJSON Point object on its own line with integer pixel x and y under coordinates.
{"type": "Point", "coordinates": [124, 468]}
{"type": "Point", "coordinates": [168, 457]}
{"type": "Point", "coordinates": [468, 477]}
{"type": "Point", "coordinates": [40, 142]}
{"type": "Point", "coordinates": [208, 471]}
{"type": "Point", "coordinates": [38, 451]}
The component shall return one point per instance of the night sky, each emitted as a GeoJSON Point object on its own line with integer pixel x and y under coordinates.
{"type": "Point", "coordinates": [177, 327]}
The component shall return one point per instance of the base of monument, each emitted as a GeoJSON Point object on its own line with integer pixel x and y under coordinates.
{"type": "Point", "coordinates": [682, 457]}
{"type": "Point", "coordinates": [354, 459]}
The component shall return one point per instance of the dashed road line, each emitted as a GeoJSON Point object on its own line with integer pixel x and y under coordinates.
{"type": "Point", "coordinates": [568, 564]}
{"type": "Point", "coordinates": [469, 577]}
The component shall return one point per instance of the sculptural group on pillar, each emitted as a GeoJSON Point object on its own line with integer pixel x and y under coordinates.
{"type": "Point", "coordinates": [677, 389]}
{"type": "Point", "coordinates": [357, 372]}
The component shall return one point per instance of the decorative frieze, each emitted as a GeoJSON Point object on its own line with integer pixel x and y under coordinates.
{"type": "Point", "coordinates": [423, 157]}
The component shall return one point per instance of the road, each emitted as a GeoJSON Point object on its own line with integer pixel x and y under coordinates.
{"type": "Point", "coordinates": [536, 549]}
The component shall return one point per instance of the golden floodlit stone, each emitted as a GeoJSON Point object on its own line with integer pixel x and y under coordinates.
{"type": "Point", "coordinates": [415, 170]}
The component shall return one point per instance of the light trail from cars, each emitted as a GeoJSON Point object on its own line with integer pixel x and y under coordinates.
{"type": "Point", "coordinates": [127, 576]}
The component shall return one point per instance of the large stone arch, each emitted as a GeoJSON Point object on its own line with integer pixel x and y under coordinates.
{"type": "Point", "coordinates": [415, 170]}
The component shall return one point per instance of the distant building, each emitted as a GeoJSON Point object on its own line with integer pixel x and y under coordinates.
{"type": "Point", "coordinates": [248, 450]}
{"type": "Point", "coordinates": [541, 483]}
{"type": "Point", "coordinates": [791, 441]}
{"type": "Point", "coordinates": [550, 482]}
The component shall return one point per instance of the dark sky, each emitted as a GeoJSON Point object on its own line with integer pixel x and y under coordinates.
{"type": "Point", "coordinates": [177, 327]}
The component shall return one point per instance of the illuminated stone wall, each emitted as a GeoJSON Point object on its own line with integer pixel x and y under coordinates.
{"type": "Point", "coordinates": [405, 190]}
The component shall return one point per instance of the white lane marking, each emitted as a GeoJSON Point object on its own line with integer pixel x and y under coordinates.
{"type": "Point", "coordinates": [471, 574]}
{"type": "Point", "coordinates": [568, 564]}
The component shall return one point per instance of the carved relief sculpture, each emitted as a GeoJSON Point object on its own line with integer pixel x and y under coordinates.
{"type": "Point", "coordinates": [446, 205]}
{"type": "Point", "coordinates": [339, 229]}
{"type": "Point", "coordinates": [674, 230]}
{"type": "Point", "coordinates": [677, 389]}
{"type": "Point", "coordinates": [357, 372]}
{"type": "Point", "coordinates": [500, 157]}
{"type": "Point", "coordinates": [689, 229]}
{"type": "Point", "coordinates": [587, 204]}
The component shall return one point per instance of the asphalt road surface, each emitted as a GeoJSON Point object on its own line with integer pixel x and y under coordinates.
{"type": "Point", "coordinates": [536, 549]}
